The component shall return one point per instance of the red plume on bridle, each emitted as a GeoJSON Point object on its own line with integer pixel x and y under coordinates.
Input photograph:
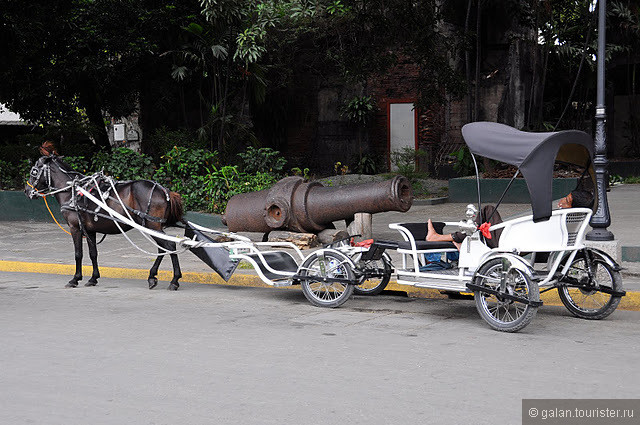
{"type": "Point", "coordinates": [48, 149]}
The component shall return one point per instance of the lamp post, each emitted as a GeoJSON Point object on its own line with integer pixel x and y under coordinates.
{"type": "Point", "coordinates": [601, 219]}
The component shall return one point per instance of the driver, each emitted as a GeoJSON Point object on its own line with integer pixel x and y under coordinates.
{"type": "Point", "coordinates": [579, 198]}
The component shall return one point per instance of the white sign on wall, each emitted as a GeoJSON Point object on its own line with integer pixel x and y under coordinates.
{"type": "Point", "coordinates": [118, 133]}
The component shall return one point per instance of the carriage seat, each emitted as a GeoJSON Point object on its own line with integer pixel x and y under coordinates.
{"type": "Point", "coordinates": [418, 231]}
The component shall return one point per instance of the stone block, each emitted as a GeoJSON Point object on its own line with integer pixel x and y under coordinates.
{"type": "Point", "coordinates": [613, 248]}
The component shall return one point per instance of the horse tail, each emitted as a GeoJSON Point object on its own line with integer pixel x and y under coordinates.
{"type": "Point", "coordinates": [176, 209]}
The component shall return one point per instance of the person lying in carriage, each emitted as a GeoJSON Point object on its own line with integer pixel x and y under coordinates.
{"type": "Point", "coordinates": [578, 198]}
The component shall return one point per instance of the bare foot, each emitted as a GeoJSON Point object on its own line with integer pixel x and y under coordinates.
{"type": "Point", "coordinates": [432, 235]}
{"type": "Point", "coordinates": [431, 232]}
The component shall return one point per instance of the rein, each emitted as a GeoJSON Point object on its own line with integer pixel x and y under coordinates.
{"type": "Point", "coordinates": [44, 197]}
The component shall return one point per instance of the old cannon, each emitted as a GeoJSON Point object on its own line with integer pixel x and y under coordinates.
{"type": "Point", "coordinates": [291, 204]}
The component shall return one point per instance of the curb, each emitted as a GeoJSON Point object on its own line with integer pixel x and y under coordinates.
{"type": "Point", "coordinates": [629, 302]}
{"type": "Point", "coordinates": [431, 201]}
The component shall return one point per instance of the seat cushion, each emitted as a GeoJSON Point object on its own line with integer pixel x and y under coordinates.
{"type": "Point", "coordinates": [421, 245]}
{"type": "Point", "coordinates": [419, 230]}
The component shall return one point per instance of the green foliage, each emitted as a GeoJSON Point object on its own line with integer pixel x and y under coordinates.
{"type": "Point", "coordinates": [6, 175]}
{"type": "Point", "coordinates": [224, 182]}
{"type": "Point", "coordinates": [340, 169]}
{"type": "Point", "coordinates": [406, 159]}
{"type": "Point", "coordinates": [262, 160]}
{"type": "Point", "coordinates": [15, 164]}
{"type": "Point", "coordinates": [14, 153]}
{"type": "Point", "coordinates": [13, 177]}
{"type": "Point", "coordinates": [632, 180]}
{"type": "Point", "coordinates": [304, 173]}
{"type": "Point", "coordinates": [463, 162]}
{"type": "Point", "coordinates": [124, 164]}
{"type": "Point", "coordinates": [358, 110]}
{"type": "Point", "coordinates": [366, 165]}
{"type": "Point", "coordinates": [164, 139]}
{"type": "Point", "coordinates": [78, 163]}
{"type": "Point", "coordinates": [185, 171]}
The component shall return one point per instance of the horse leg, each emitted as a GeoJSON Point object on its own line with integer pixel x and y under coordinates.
{"type": "Point", "coordinates": [177, 274]}
{"type": "Point", "coordinates": [76, 234]}
{"type": "Point", "coordinates": [153, 280]}
{"type": "Point", "coordinates": [93, 254]}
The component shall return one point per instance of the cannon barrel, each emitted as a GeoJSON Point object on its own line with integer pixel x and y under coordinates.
{"type": "Point", "coordinates": [292, 204]}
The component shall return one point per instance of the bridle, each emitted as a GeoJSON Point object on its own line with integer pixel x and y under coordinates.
{"type": "Point", "coordinates": [44, 171]}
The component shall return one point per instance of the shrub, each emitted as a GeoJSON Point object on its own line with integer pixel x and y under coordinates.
{"type": "Point", "coordinates": [78, 163]}
{"type": "Point", "coordinates": [184, 170]}
{"type": "Point", "coordinates": [13, 177]}
{"type": "Point", "coordinates": [224, 182]}
{"type": "Point", "coordinates": [124, 164]}
{"type": "Point", "coordinates": [262, 160]}
{"type": "Point", "coordinates": [163, 140]}
{"type": "Point", "coordinates": [406, 159]}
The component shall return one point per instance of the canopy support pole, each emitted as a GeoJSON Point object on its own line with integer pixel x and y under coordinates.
{"type": "Point", "coordinates": [602, 218]}
{"type": "Point", "coordinates": [475, 164]}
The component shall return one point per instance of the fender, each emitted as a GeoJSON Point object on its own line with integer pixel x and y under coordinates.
{"type": "Point", "coordinates": [601, 255]}
{"type": "Point", "coordinates": [346, 258]}
{"type": "Point", "coordinates": [515, 262]}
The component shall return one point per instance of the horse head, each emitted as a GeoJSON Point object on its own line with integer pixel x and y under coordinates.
{"type": "Point", "coordinates": [40, 174]}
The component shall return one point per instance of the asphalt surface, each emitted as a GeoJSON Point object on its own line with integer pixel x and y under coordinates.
{"type": "Point", "coordinates": [212, 354]}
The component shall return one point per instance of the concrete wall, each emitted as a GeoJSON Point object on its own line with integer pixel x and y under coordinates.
{"type": "Point", "coordinates": [15, 206]}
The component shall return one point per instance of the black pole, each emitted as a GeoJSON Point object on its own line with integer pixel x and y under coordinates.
{"type": "Point", "coordinates": [601, 219]}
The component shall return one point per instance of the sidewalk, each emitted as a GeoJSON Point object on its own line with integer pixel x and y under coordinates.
{"type": "Point", "coordinates": [48, 249]}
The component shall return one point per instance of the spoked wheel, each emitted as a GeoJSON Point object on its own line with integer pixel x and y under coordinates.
{"type": "Point", "coordinates": [591, 303]}
{"type": "Point", "coordinates": [327, 265]}
{"type": "Point", "coordinates": [501, 313]}
{"type": "Point", "coordinates": [377, 275]}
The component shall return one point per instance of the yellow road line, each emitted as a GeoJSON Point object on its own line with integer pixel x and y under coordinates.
{"type": "Point", "coordinates": [238, 279]}
{"type": "Point", "coordinates": [629, 302]}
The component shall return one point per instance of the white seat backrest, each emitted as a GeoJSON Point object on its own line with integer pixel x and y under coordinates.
{"type": "Point", "coordinates": [565, 228]}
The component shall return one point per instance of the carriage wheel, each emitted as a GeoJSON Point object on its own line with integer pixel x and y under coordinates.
{"type": "Point", "coordinates": [500, 313]}
{"type": "Point", "coordinates": [326, 264]}
{"type": "Point", "coordinates": [372, 285]}
{"type": "Point", "coordinates": [591, 304]}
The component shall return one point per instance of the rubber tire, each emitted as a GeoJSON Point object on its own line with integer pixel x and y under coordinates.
{"type": "Point", "coordinates": [376, 290]}
{"type": "Point", "coordinates": [522, 321]}
{"type": "Point", "coordinates": [308, 292]}
{"type": "Point", "coordinates": [600, 313]}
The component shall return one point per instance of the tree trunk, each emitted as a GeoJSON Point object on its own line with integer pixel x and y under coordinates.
{"type": "Point", "coordinates": [89, 100]}
{"type": "Point", "coordinates": [467, 65]}
{"type": "Point", "coordinates": [478, 53]}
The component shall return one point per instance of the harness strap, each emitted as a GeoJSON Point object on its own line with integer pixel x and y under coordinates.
{"type": "Point", "coordinates": [97, 213]}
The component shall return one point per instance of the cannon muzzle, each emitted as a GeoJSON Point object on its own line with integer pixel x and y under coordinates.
{"type": "Point", "coordinates": [292, 204]}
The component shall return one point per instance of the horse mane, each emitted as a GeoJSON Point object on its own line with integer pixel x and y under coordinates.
{"type": "Point", "coordinates": [66, 167]}
{"type": "Point", "coordinates": [176, 209]}
{"type": "Point", "coordinates": [48, 148]}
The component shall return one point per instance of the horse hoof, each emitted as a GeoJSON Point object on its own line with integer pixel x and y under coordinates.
{"type": "Point", "coordinates": [173, 287]}
{"type": "Point", "coordinates": [71, 284]}
{"type": "Point", "coordinates": [90, 283]}
{"type": "Point", "coordinates": [152, 282]}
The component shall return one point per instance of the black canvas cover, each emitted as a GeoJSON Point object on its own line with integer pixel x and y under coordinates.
{"type": "Point", "coordinates": [215, 257]}
{"type": "Point", "coordinates": [533, 153]}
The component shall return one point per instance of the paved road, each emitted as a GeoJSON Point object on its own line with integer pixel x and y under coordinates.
{"type": "Point", "coordinates": [209, 354]}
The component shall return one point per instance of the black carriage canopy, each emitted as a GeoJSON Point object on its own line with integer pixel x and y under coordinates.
{"type": "Point", "coordinates": [533, 153]}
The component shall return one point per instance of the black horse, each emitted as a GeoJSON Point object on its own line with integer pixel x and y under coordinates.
{"type": "Point", "coordinates": [149, 204]}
